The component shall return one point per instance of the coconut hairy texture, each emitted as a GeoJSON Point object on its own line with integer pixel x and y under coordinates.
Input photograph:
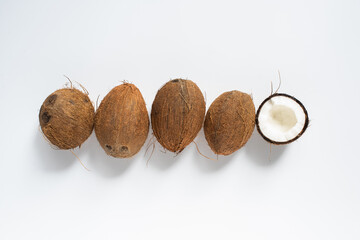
{"type": "Point", "coordinates": [281, 119]}
{"type": "Point", "coordinates": [177, 114]}
{"type": "Point", "coordinates": [229, 122]}
{"type": "Point", "coordinates": [122, 121]}
{"type": "Point", "coordinates": [67, 118]}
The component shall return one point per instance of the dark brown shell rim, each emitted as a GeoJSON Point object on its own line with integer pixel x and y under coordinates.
{"type": "Point", "coordinates": [298, 102]}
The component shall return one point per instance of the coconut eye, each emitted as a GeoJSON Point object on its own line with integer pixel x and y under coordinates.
{"type": "Point", "coordinates": [281, 119]}
{"type": "Point", "coordinates": [124, 149]}
{"type": "Point", "coordinates": [51, 100]}
{"type": "Point", "coordinates": [45, 117]}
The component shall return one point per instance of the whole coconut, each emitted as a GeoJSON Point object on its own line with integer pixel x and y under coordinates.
{"type": "Point", "coordinates": [229, 122]}
{"type": "Point", "coordinates": [67, 118]}
{"type": "Point", "coordinates": [122, 121]}
{"type": "Point", "coordinates": [177, 114]}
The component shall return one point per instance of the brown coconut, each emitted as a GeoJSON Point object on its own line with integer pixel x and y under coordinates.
{"type": "Point", "coordinates": [122, 121]}
{"type": "Point", "coordinates": [229, 122]}
{"type": "Point", "coordinates": [67, 118]}
{"type": "Point", "coordinates": [177, 114]}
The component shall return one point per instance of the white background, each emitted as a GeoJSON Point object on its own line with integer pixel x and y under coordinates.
{"type": "Point", "coordinates": [307, 190]}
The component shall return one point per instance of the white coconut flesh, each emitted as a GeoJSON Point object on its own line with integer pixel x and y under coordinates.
{"type": "Point", "coordinates": [281, 119]}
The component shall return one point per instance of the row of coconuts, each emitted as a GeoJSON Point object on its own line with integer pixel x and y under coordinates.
{"type": "Point", "coordinates": [67, 118]}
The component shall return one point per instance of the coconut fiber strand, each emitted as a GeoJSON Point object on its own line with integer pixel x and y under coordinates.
{"type": "Point", "coordinates": [177, 114]}
{"type": "Point", "coordinates": [67, 118]}
{"type": "Point", "coordinates": [122, 121]}
{"type": "Point", "coordinates": [229, 122]}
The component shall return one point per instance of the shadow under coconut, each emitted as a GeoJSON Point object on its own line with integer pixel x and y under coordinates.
{"type": "Point", "coordinates": [157, 156]}
{"type": "Point", "coordinates": [216, 162]}
{"type": "Point", "coordinates": [103, 164]}
{"type": "Point", "coordinates": [51, 158]}
{"type": "Point", "coordinates": [259, 151]}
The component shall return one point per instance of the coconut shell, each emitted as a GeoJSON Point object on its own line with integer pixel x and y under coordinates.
{"type": "Point", "coordinates": [122, 121]}
{"type": "Point", "coordinates": [177, 114]}
{"type": "Point", "coordinates": [229, 122]}
{"type": "Point", "coordinates": [291, 140]}
{"type": "Point", "coordinates": [67, 118]}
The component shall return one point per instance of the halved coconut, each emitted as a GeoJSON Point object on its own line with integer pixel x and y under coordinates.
{"type": "Point", "coordinates": [281, 119]}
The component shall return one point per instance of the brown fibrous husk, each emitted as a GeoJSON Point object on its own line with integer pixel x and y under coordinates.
{"type": "Point", "coordinates": [229, 122]}
{"type": "Point", "coordinates": [122, 121]}
{"type": "Point", "coordinates": [177, 114]}
{"type": "Point", "coordinates": [67, 118]}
